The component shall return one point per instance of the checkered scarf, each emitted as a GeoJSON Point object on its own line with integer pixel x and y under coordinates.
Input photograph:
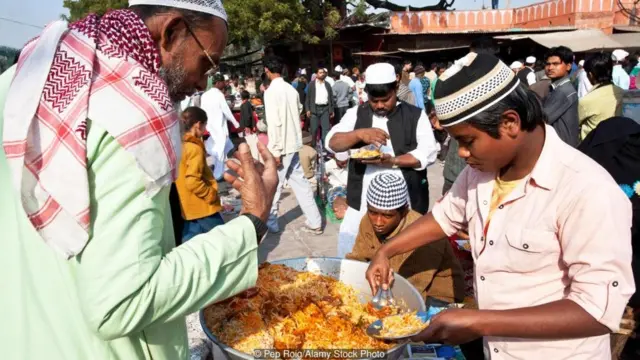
{"type": "Point", "coordinates": [103, 69]}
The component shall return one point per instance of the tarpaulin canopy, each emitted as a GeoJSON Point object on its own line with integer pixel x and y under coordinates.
{"type": "Point", "coordinates": [578, 40]}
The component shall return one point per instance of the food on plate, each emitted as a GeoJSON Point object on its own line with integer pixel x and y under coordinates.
{"type": "Point", "coordinates": [291, 309]}
{"type": "Point", "coordinates": [402, 325]}
{"type": "Point", "coordinates": [366, 154]}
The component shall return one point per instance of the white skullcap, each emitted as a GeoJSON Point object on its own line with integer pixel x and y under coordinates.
{"type": "Point", "coordinates": [303, 72]}
{"type": "Point", "coordinates": [338, 69]}
{"type": "Point", "coordinates": [619, 55]}
{"type": "Point", "coordinates": [581, 63]}
{"type": "Point", "coordinates": [530, 60]}
{"type": "Point", "coordinates": [380, 73]}
{"type": "Point", "coordinates": [226, 77]}
{"type": "Point", "coordinates": [213, 7]}
{"type": "Point", "coordinates": [516, 65]}
{"type": "Point", "coordinates": [387, 191]}
{"type": "Point", "coordinates": [342, 156]}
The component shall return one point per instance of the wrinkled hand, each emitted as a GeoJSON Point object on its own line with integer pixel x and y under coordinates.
{"type": "Point", "coordinates": [373, 136]}
{"type": "Point", "coordinates": [379, 272]}
{"type": "Point", "coordinates": [452, 327]}
{"type": "Point", "coordinates": [385, 160]}
{"type": "Point", "coordinates": [256, 182]}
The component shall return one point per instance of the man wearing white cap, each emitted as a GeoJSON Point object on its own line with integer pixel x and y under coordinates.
{"type": "Point", "coordinates": [584, 85]}
{"type": "Point", "coordinates": [619, 75]}
{"type": "Point", "coordinates": [516, 66]}
{"type": "Point", "coordinates": [90, 144]}
{"type": "Point", "coordinates": [527, 75]}
{"type": "Point", "coordinates": [405, 138]}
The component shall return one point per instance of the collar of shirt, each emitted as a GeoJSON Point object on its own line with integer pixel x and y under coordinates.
{"type": "Point", "coordinates": [556, 84]}
{"type": "Point", "coordinates": [318, 81]}
{"type": "Point", "coordinates": [543, 172]}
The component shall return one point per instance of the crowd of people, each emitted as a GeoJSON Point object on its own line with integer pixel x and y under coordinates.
{"type": "Point", "coordinates": [111, 211]}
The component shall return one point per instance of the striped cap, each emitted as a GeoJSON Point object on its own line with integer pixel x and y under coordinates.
{"type": "Point", "coordinates": [472, 85]}
{"type": "Point", "coordinates": [387, 191]}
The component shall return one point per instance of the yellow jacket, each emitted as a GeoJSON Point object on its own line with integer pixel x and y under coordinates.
{"type": "Point", "coordinates": [197, 188]}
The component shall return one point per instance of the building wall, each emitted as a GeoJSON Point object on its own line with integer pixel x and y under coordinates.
{"type": "Point", "coordinates": [600, 14]}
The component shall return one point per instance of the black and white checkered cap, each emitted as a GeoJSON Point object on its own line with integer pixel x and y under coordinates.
{"type": "Point", "coordinates": [387, 191]}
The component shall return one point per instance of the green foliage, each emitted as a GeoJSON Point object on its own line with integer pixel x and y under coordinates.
{"type": "Point", "coordinates": [81, 8]}
{"type": "Point", "coordinates": [7, 55]}
{"type": "Point", "coordinates": [249, 20]}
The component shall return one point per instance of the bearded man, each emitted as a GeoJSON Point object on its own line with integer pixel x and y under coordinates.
{"type": "Point", "coordinates": [90, 144]}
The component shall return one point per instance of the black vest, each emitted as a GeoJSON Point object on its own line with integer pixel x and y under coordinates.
{"type": "Point", "coordinates": [402, 125]}
{"type": "Point", "coordinates": [522, 75]}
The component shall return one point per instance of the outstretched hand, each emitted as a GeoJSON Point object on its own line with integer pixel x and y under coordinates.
{"type": "Point", "coordinates": [256, 182]}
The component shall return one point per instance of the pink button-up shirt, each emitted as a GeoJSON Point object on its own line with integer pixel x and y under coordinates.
{"type": "Point", "coordinates": [563, 233]}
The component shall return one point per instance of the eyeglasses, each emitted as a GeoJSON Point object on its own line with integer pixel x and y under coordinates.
{"type": "Point", "coordinates": [214, 66]}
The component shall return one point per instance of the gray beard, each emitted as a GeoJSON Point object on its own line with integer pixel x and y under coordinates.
{"type": "Point", "coordinates": [175, 77]}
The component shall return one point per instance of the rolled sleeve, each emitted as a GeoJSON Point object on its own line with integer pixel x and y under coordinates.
{"type": "Point", "coordinates": [449, 212]}
{"type": "Point", "coordinates": [346, 124]}
{"type": "Point", "coordinates": [427, 150]}
{"type": "Point", "coordinates": [596, 244]}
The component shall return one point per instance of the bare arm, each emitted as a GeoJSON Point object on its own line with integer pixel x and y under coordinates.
{"type": "Point", "coordinates": [344, 141]}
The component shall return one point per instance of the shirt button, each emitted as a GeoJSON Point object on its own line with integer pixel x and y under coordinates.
{"type": "Point", "coordinates": [490, 242]}
{"type": "Point", "coordinates": [482, 278]}
{"type": "Point", "coordinates": [501, 207]}
{"type": "Point", "coordinates": [482, 238]}
{"type": "Point", "coordinates": [615, 284]}
{"type": "Point", "coordinates": [525, 246]}
{"type": "Point", "coordinates": [484, 202]}
{"type": "Point", "coordinates": [495, 350]}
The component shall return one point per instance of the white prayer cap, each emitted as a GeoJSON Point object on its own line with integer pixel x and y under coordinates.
{"type": "Point", "coordinates": [581, 63]}
{"type": "Point", "coordinates": [516, 65]}
{"type": "Point", "coordinates": [213, 7]}
{"type": "Point", "coordinates": [530, 60]}
{"type": "Point", "coordinates": [342, 156]}
{"type": "Point", "coordinates": [303, 72]}
{"type": "Point", "coordinates": [226, 77]}
{"type": "Point", "coordinates": [380, 73]}
{"type": "Point", "coordinates": [338, 69]}
{"type": "Point", "coordinates": [619, 55]}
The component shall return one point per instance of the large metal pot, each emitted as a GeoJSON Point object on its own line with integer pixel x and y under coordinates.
{"type": "Point", "coordinates": [351, 273]}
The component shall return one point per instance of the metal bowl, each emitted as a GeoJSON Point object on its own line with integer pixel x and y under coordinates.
{"type": "Point", "coordinates": [349, 272]}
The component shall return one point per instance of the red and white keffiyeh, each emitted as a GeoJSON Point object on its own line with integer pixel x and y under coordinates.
{"type": "Point", "coordinates": [103, 69]}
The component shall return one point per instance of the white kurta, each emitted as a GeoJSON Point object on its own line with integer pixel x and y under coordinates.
{"type": "Point", "coordinates": [426, 153]}
{"type": "Point", "coordinates": [218, 113]}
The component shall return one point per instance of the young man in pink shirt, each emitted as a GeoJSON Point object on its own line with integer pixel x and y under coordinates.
{"type": "Point", "coordinates": [550, 229]}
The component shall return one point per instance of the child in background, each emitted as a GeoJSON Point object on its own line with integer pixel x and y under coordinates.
{"type": "Point", "coordinates": [197, 188]}
{"type": "Point", "coordinates": [247, 119]}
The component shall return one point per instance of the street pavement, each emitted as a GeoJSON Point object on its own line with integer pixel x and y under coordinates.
{"type": "Point", "coordinates": [292, 242]}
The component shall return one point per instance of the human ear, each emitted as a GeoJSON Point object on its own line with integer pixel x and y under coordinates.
{"type": "Point", "coordinates": [510, 123]}
{"type": "Point", "coordinates": [173, 33]}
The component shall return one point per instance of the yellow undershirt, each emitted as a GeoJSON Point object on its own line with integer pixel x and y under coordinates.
{"type": "Point", "coordinates": [501, 190]}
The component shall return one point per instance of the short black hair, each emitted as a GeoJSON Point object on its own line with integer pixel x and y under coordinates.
{"type": "Point", "coordinates": [484, 45]}
{"type": "Point", "coordinates": [336, 75]}
{"type": "Point", "coordinates": [266, 81]}
{"type": "Point", "coordinates": [433, 66]}
{"type": "Point", "coordinates": [380, 90]}
{"type": "Point", "coordinates": [523, 101]}
{"type": "Point", "coordinates": [428, 107]}
{"type": "Point", "coordinates": [398, 68]}
{"type": "Point", "coordinates": [274, 64]}
{"type": "Point", "coordinates": [194, 18]}
{"type": "Point", "coordinates": [562, 52]}
{"type": "Point", "coordinates": [600, 66]}
{"type": "Point", "coordinates": [245, 95]}
{"type": "Point", "coordinates": [406, 62]}
{"type": "Point", "coordinates": [441, 66]}
{"type": "Point", "coordinates": [193, 115]}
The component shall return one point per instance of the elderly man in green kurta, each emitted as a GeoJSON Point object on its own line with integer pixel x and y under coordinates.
{"type": "Point", "coordinates": [90, 144]}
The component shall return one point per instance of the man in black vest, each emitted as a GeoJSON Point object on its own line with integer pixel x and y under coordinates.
{"type": "Point", "coordinates": [527, 75]}
{"type": "Point", "coordinates": [319, 105]}
{"type": "Point", "coordinates": [406, 140]}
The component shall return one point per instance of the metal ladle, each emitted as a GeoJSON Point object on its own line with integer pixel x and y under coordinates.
{"type": "Point", "coordinates": [383, 298]}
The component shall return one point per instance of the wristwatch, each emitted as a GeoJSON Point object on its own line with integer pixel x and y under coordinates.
{"type": "Point", "coordinates": [259, 225]}
{"type": "Point", "coordinates": [395, 164]}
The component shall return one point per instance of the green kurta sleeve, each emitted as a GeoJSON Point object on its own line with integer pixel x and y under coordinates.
{"type": "Point", "coordinates": [128, 276]}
